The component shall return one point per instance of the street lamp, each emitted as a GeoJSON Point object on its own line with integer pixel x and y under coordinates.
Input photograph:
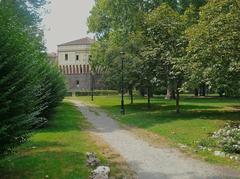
{"type": "Point", "coordinates": [122, 84]}
{"type": "Point", "coordinates": [92, 85]}
{"type": "Point", "coordinates": [92, 79]}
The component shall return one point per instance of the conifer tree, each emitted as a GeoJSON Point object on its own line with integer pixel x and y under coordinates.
{"type": "Point", "coordinates": [30, 86]}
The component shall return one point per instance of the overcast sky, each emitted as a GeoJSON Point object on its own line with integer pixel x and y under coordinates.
{"type": "Point", "coordinates": [66, 21]}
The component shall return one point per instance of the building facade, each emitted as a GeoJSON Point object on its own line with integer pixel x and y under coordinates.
{"type": "Point", "coordinates": [73, 61]}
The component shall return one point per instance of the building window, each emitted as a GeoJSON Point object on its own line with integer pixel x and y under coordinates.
{"type": "Point", "coordinates": [77, 57]}
{"type": "Point", "coordinates": [66, 56]}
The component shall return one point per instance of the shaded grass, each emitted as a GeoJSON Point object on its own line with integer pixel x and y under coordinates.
{"type": "Point", "coordinates": [198, 119]}
{"type": "Point", "coordinates": [57, 151]}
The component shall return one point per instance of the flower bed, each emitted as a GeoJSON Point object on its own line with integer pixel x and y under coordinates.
{"type": "Point", "coordinates": [228, 138]}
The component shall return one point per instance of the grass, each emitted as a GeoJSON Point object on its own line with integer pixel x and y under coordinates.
{"type": "Point", "coordinates": [198, 119]}
{"type": "Point", "coordinates": [57, 151]}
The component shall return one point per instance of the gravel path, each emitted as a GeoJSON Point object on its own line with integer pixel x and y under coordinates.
{"type": "Point", "coordinates": [147, 161]}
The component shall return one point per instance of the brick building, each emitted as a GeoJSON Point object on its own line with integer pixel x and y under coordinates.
{"type": "Point", "coordinates": [73, 61]}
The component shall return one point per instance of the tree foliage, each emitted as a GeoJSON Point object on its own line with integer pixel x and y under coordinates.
{"type": "Point", "coordinates": [214, 47]}
{"type": "Point", "coordinates": [172, 45]}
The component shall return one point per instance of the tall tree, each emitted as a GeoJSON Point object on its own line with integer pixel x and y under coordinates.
{"type": "Point", "coordinates": [165, 35]}
{"type": "Point", "coordinates": [214, 49]}
{"type": "Point", "coordinates": [29, 86]}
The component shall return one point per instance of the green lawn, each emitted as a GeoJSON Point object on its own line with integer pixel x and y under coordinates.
{"type": "Point", "coordinates": [57, 151]}
{"type": "Point", "coordinates": [199, 118]}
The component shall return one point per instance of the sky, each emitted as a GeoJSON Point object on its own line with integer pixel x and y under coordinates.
{"type": "Point", "coordinates": [66, 21]}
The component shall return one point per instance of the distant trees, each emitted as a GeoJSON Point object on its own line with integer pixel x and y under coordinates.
{"type": "Point", "coordinates": [30, 86]}
{"type": "Point", "coordinates": [171, 45]}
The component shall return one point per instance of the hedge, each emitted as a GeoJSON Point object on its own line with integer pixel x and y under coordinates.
{"type": "Point", "coordinates": [97, 93]}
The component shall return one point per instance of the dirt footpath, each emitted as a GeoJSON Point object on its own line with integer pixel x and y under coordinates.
{"type": "Point", "coordinates": [147, 161]}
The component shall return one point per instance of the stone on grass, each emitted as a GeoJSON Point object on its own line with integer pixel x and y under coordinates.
{"type": "Point", "coordinates": [92, 160]}
{"type": "Point", "coordinates": [101, 172]}
{"type": "Point", "coordinates": [202, 147]}
{"type": "Point", "coordinates": [182, 146]}
{"type": "Point", "coordinates": [219, 153]}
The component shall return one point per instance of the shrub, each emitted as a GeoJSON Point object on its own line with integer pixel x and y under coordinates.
{"type": "Point", "coordinates": [67, 94]}
{"type": "Point", "coordinates": [97, 93]}
{"type": "Point", "coordinates": [229, 137]}
{"type": "Point", "coordinates": [207, 142]}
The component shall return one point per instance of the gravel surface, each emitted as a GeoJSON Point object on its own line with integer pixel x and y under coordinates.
{"type": "Point", "coordinates": [147, 161]}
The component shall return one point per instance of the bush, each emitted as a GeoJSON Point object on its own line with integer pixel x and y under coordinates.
{"type": "Point", "coordinates": [229, 137]}
{"type": "Point", "coordinates": [97, 93]}
{"type": "Point", "coordinates": [207, 142]}
{"type": "Point", "coordinates": [68, 94]}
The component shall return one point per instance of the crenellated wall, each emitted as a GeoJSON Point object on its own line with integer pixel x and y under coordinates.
{"type": "Point", "coordinates": [75, 69]}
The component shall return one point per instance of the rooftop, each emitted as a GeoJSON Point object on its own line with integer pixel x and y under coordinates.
{"type": "Point", "coordinates": [83, 41]}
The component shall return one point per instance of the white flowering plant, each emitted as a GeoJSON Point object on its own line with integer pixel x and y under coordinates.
{"type": "Point", "coordinates": [228, 138]}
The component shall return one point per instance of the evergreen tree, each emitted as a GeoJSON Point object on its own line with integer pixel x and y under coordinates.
{"type": "Point", "coordinates": [30, 87]}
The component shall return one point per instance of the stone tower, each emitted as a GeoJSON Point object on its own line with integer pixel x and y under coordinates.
{"type": "Point", "coordinates": [73, 61]}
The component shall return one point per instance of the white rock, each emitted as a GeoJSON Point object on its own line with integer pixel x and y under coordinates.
{"type": "Point", "coordinates": [219, 153]}
{"type": "Point", "coordinates": [209, 149]}
{"type": "Point", "coordinates": [101, 172]}
{"type": "Point", "coordinates": [92, 159]}
{"type": "Point", "coordinates": [182, 146]}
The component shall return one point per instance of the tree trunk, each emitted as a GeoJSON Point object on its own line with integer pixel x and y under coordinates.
{"type": "Point", "coordinates": [204, 90]}
{"type": "Point", "coordinates": [207, 91]}
{"type": "Point", "coordinates": [196, 92]}
{"type": "Point", "coordinates": [142, 91]}
{"type": "Point", "coordinates": [170, 93]}
{"type": "Point", "coordinates": [221, 92]}
{"type": "Point", "coordinates": [173, 96]}
{"type": "Point", "coordinates": [177, 101]}
{"type": "Point", "coordinates": [131, 95]}
{"type": "Point", "coordinates": [149, 98]}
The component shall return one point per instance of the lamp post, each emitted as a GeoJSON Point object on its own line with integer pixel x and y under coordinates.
{"type": "Point", "coordinates": [122, 84]}
{"type": "Point", "coordinates": [92, 86]}
{"type": "Point", "coordinates": [92, 79]}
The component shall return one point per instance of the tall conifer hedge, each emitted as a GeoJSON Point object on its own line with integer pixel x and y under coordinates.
{"type": "Point", "coordinates": [30, 86]}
